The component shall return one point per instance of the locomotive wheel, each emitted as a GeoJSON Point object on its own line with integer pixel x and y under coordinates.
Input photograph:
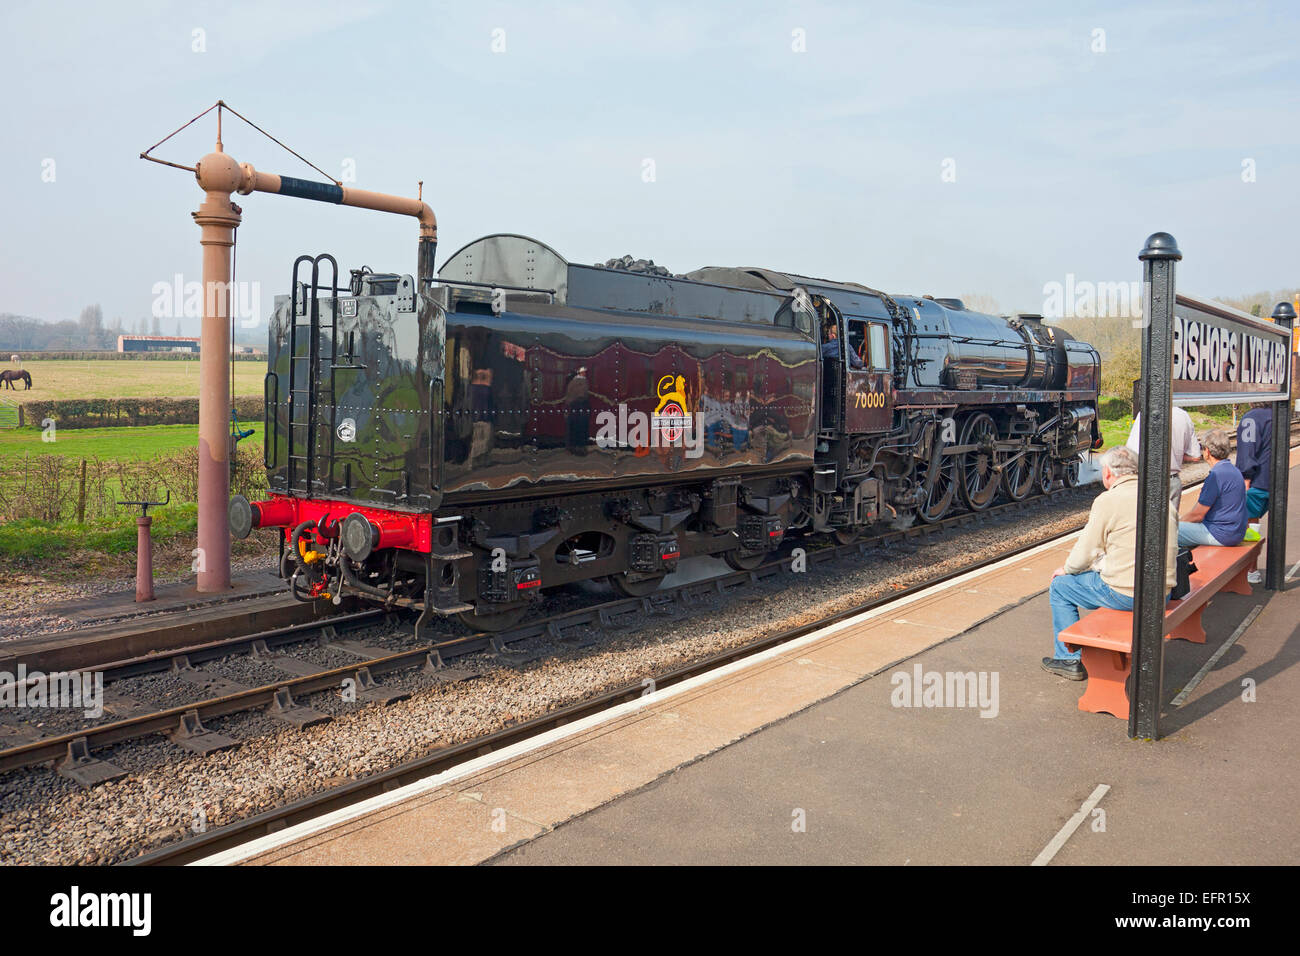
{"type": "Point", "coordinates": [847, 535]}
{"type": "Point", "coordinates": [1018, 477]}
{"type": "Point", "coordinates": [801, 506]}
{"type": "Point", "coordinates": [493, 621]}
{"type": "Point", "coordinates": [1043, 477]}
{"type": "Point", "coordinates": [1070, 475]}
{"type": "Point", "coordinates": [639, 587]}
{"type": "Point", "coordinates": [743, 560]}
{"type": "Point", "coordinates": [942, 492]}
{"type": "Point", "coordinates": [979, 482]}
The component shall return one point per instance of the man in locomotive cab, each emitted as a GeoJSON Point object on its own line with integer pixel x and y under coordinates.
{"type": "Point", "coordinates": [830, 339]}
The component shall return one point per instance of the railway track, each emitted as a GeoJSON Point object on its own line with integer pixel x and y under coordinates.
{"type": "Point", "coordinates": [79, 754]}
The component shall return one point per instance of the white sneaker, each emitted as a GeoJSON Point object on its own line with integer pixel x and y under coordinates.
{"type": "Point", "coordinates": [1255, 577]}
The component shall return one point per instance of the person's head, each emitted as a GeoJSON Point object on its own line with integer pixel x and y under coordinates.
{"type": "Point", "coordinates": [1215, 444]}
{"type": "Point", "coordinates": [829, 331]}
{"type": "Point", "coordinates": [1116, 463]}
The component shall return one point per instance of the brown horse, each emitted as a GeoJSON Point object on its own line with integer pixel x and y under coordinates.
{"type": "Point", "coordinates": [11, 375]}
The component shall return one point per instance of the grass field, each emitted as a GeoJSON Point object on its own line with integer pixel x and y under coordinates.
{"type": "Point", "coordinates": [1115, 431]}
{"type": "Point", "coordinates": [58, 379]}
{"type": "Point", "coordinates": [128, 444]}
{"type": "Point", "coordinates": [125, 444]}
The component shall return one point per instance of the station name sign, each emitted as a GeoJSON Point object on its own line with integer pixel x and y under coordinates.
{"type": "Point", "coordinates": [1222, 355]}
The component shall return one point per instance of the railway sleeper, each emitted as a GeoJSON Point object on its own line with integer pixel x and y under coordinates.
{"type": "Point", "coordinates": [372, 692]}
{"type": "Point", "coordinates": [438, 669]}
{"type": "Point", "coordinates": [284, 708]}
{"type": "Point", "coordinates": [80, 767]}
{"type": "Point", "coordinates": [194, 737]}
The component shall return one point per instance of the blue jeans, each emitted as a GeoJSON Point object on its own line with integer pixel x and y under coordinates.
{"type": "Point", "coordinates": [1194, 533]}
{"type": "Point", "coordinates": [1069, 592]}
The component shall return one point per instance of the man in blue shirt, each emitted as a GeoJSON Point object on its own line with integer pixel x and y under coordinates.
{"type": "Point", "coordinates": [1219, 515]}
{"type": "Point", "coordinates": [831, 346]}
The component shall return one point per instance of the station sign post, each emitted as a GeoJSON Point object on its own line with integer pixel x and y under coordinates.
{"type": "Point", "coordinates": [1195, 352]}
{"type": "Point", "coordinates": [1158, 259]}
{"type": "Point", "coordinates": [1275, 566]}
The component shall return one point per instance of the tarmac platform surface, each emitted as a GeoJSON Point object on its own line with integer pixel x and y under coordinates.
{"type": "Point", "coordinates": [802, 756]}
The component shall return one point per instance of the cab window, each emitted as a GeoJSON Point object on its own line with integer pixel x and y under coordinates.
{"type": "Point", "coordinates": [857, 342]}
{"type": "Point", "coordinates": [879, 347]}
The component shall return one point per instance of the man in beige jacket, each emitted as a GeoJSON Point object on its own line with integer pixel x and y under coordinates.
{"type": "Point", "coordinates": [1099, 570]}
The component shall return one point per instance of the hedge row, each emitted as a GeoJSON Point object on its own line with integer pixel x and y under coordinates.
{"type": "Point", "coordinates": [1111, 407]}
{"type": "Point", "coordinates": [115, 412]}
{"type": "Point", "coordinates": [96, 355]}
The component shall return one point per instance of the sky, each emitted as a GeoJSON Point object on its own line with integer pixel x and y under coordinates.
{"type": "Point", "coordinates": [946, 149]}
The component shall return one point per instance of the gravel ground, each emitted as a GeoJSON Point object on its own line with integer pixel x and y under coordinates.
{"type": "Point", "coordinates": [47, 819]}
{"type": "Point", "coordinates": [29, 603]}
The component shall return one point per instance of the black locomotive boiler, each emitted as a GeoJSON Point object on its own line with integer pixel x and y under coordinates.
{"type": "Point", "coordinates": [458, 445]}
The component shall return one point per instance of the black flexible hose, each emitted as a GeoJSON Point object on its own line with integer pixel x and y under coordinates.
{"type": "Point", "coordinates": [355, 583]}
{"type": "Point", "coordinates": [295, 540]}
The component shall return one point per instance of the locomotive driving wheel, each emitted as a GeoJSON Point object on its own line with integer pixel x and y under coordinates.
{"type": "Point", "coordinates": [942, 492]}
{"type": "Point", "coordinates": [979, 479]}
{"type": "Point", "coordinates": [1018, 477]}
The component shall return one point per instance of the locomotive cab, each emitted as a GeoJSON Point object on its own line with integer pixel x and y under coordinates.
{"type": "Point", "coordinates": [857, 378]}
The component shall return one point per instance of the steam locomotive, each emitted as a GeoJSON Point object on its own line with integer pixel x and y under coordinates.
{"type": "Point", "coordinates": [517, 422]}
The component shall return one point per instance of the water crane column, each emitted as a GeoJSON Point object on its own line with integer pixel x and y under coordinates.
{"type": "Point", "coordinates": [219, 176]}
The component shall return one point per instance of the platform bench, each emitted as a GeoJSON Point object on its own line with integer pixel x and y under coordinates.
{"type": "Point", "coordinates": [1106, 635]}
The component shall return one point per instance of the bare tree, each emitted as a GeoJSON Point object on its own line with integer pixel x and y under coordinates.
{"type": "Point", "coordinates": [981, 302]}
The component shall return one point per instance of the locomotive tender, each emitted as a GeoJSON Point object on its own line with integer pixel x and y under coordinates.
{"type": "Point", "coordinates": [458, 445]}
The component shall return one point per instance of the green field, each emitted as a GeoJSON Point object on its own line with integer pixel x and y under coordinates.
{"type": "Point", "coordinates": [59, 379]}
{"type": "Point", "coordinates": [127, 444]}
{"type": "Point", "coordinates": [1115, 431]}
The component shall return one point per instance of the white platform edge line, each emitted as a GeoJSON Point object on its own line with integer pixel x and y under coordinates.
{"type": "Point", "coordinates": [334, 818]}
{"type": "Point", "coordinates": [1071, 825]}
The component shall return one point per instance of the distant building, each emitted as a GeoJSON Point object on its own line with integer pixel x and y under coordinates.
{"type": "Point", "coordinates": [157, 343]}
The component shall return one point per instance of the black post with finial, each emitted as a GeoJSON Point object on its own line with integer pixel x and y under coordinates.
{"type": "Point", "coordinates": [1149, 590]}
{"type": "Point", "coordinates": [1275, 565]}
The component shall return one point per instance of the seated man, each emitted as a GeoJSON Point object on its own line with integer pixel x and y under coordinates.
{"type": "Point", "coordinates": [1219, 515]}
{"type": "Point", "coordinates": [1108, 543]}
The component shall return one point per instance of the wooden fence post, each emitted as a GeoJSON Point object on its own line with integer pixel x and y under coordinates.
{"type": "Point", "coordinates": [81, 495]}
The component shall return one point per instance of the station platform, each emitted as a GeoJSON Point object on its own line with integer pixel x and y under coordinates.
{"type": "Point", "coordinates": [804, 755]}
